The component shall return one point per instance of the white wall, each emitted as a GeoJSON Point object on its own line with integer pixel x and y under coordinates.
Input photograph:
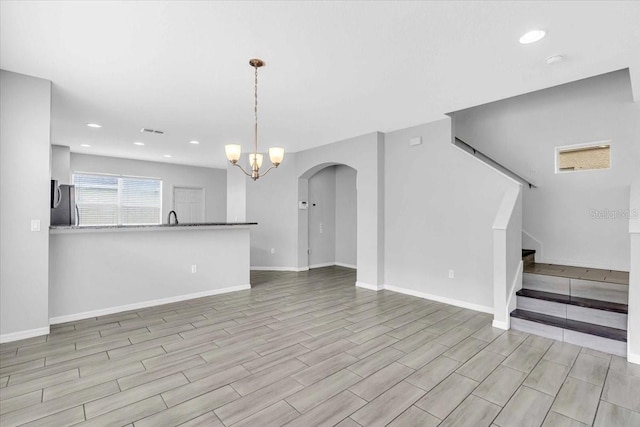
{"type": "Point", "coordinates": [95, 272]}
{"type": "Point", "coordinates": [24, 196]}
{"type": "Point", "coordinates": [365, 154]}
{"type": "Point", "coordinates": [346, 216]}
{"type": "Point", "coordinates": [214, 181]}
{"type": "Point", "coordinates": [61, 164]}
{"type": "Point", "coordinates": [440, 207]}
{"type": "Point", "coordinates": [236, 194]}
{"type": "Point", "coordinates": [322, 218]}
{"type": "Point", "coordinates": [522, 133]}
{"type": "Point", "coordinates": [272, 202]}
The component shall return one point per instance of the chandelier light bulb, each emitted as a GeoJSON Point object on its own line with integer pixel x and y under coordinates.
{"type": "Point", "coordinates": [276, 155]}
{"type": "Point", "coordinates": [233, 152]}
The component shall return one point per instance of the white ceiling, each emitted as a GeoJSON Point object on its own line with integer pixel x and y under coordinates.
{"type": "Point", "coordinates": [334, 69]}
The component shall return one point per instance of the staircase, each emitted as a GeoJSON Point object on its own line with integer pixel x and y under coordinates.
{"type": "Point", "coordinates": [587, 307]}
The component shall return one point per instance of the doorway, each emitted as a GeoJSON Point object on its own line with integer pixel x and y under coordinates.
{"type": "Point", "coordinates": [332, 217]}
{"type": "Point", "coordinates": [188, 202]}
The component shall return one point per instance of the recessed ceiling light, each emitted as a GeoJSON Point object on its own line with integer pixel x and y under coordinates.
{"type": "Point", "coordinates": [532, 36]}
{"type": "Point", "coordinates": [94, 125]}
{"type": "Point", "coordinates": [85, 145]}
{"type": "Point", "coordinates": [138, 143]}
{"type": "Point", "coordinates": [553, 59]}
{"type": "Point", "coordinates": [167, 155]}
{"type": "Point", "coordinates": [194, 142]}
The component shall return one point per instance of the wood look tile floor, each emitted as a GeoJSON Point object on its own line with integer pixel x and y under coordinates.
{"type": "Point", "coordinates": [307, 349]}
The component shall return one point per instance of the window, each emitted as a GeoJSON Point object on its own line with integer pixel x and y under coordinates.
{"type": "Point", "coordinates": [118, 200]}
{"type": "Point", "coordinates": [573, 158]}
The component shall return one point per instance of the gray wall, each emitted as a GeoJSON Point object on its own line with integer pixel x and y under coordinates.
{"type": "Point", "coordinates": [365, 154]}
{"type": "Point", "coordinates": [94, 272]}
{"type": "Point", "coordinates": [24, 196]}
{"type": "Point", "coordinates": [272, 203]}
{"type": "Point", "coordinates": [346, 216]}
{"type": "Point", "coordinates": [214, 181]}
{"type": "Point", "coordinates": [61, 164]}
{"type": "Point", "coordinates": [322, 218]}
{"type": "Point", "coordinates": [440, 207]}
{"type": "Point", "coordinates": [522, 133]}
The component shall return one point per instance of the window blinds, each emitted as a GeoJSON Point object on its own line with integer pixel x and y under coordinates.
{"type": "Point", "coordinates": [118, 200]}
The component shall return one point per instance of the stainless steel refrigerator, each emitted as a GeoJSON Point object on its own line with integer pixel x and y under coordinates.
{"type": "Point", "coordinates": [64, 210]}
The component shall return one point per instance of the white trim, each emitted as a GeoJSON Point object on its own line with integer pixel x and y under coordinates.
{"type": "Point", "coordinates": [296, 269]}
{"type": "Point", "coordinates": [144, 304]}
{"type": "Point", "coordinates": [341, 264]}
{"type": "Point", "coordinates": [500, 325]}
{"type": "Point", "coordinates": [22, 335]}
{"type": "Point", "coordinates": [322, 264]}
{"type": "Point", "coordinates": [633, 358]}
{"type": "Point", "coordinates": [450, 301]}
{"type": "Point", "coordinates": [511, 300]}
{"type": "Point", "coordinates": [370, 287]}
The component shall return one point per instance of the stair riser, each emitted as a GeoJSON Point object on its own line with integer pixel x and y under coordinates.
{"type": "Point", "coordinates": [582, 314]}
{"type": "Point", "coordinates": [540, 282]}
{"type": "Point", "coordinates": [602, 291]}
{"type": "Point", "coordinates": [606, 345]}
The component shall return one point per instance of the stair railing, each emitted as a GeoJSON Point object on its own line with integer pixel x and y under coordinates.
{"type": "Point", "coordinates": [494, 164]}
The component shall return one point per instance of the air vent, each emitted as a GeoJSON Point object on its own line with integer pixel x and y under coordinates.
{"type": "Point", "coordinates": [160, 132]}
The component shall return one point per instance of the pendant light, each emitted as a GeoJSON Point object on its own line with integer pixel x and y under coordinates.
{"type": "Point", "coordinates": [233, 151]}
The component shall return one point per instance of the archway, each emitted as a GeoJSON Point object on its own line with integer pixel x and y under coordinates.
{"type": "Point", "coordinates": [332, 217]}
{"type": "Point", "coordinates": [365, 154]}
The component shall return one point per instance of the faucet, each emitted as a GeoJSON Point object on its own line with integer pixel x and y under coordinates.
{"type": "Point", "coordinates": [175, 216]}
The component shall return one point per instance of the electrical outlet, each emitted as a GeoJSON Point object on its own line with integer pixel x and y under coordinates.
{"type": "Point", "coordinates": [194, 269]}
{"type": "Point", "coordinates": [35, 225]}
{"type": "Point", "coordinates": [321, 230]}
{"type": "Point", "coordinates": [452, 274]}
{"type": "Point", "coordinates": [273, 251]}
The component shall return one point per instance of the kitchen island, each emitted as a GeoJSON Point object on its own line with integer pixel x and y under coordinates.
{"type": "Point", "coordinates": [98, 270]}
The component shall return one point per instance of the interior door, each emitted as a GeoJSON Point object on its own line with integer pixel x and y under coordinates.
{"type": "Point", "coordinates": [188, 202]}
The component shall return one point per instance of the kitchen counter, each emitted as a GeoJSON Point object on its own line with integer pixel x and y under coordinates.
{"type": "Point", "coordinates": [100, 270]}
{"type": "Point", "coordinates": [56, 229]}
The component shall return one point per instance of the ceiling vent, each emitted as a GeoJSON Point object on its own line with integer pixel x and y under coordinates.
{"type": "Point", "coordinates": [160, 132]}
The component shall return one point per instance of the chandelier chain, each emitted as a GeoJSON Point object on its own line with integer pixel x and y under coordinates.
{"type": "Point", "coordinates": [255, 108]}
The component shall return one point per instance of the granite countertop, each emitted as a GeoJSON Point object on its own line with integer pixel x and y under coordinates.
{"type": "Point", "coordinates": [156, 226]}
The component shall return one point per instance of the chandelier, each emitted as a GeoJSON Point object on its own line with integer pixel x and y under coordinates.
{"type": "Point", "coordinates": [233, 151]}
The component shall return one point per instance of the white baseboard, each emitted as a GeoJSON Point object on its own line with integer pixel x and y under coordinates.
{"type": "Point", "coordinates": [299, 269]}
{"type": "Point", "coordinates": [633, 358]}
{"type": "Point", "coordinates": [501, 325]}
{"type": "Point", "coordinates": [144, 304]}
{"type": "Point", "coordinates": [23, 335]}
{"type": "Point", "coordinates": [370, 287]}
{"type": "Point", "coordinates": [322, 264]}
{"type": "Point", "coordinates": [450, 301]}
{"type": "Point", "coordinates": [259, 268]}
{"type": "Point", "coordinates": [341, 264]}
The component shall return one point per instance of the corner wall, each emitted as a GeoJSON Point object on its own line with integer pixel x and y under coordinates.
{"type": "Point", "coordinates": [24, 196]}
{"type": "Point", "coordinates": [440, 207]}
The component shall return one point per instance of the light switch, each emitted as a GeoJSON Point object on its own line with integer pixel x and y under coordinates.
{"type": "Point", "coordinates": [35, 225]}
